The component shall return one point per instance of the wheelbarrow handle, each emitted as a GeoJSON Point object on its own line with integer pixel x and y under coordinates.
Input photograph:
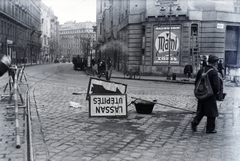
{"type": "Point", "coordinates": [164, 105]}
{"type": "Point", "coordinates": [132, 102]}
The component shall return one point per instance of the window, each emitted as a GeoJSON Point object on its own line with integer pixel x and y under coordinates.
{"type": "Point", "coordinates": [100, 29]}
{"type": "Point", "coordinates": [11, 30]}
{"type": "Point", "coordinates": [12, 10]}
{"type": "Point", "coordinates": [231, 57]}
{"type": "Point", "coordinates": [231, 45]}
{"type": "Point", "coordinates": [16, 12]}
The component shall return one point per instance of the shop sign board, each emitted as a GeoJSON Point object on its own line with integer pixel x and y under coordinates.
{"type": "Point", "coordinates": [161, 45]}
{"type": "Point", "coordinates": [107, 105]}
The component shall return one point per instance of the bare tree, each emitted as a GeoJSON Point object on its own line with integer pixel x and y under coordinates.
{"type": "Point", "coordinates": [20, 46]}
{"type": "Point", "coordinates": [86, 43]}
{"type": "Point", "coordinates": [53, 45]}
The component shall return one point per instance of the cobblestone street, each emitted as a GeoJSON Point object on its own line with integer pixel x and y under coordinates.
{"type": "Point", "coordinates": [64, 133]}
{"type": "Point", "coordinates": [69, 134]}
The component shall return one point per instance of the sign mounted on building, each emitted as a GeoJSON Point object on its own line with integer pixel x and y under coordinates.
{"type": "Point", "coordinates": [108, 105]}
{"type": "Point", "coordinates": [161, 2]}
{"type": "Point", "coordinates": [162, 45]}
{"type": "Point", "coordinates": [220, 25]}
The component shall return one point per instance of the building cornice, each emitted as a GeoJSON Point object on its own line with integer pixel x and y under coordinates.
{"type": "Point", "coordinates": [13, 19]}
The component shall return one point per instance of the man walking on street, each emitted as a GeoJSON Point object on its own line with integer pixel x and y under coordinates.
{"type": "Point", "coordinates": [208, 106]}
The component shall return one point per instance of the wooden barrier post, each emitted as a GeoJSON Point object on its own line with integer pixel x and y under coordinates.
{"type": "Point", "coordinates": [21, 74]}
{"type": "Point", "coordinates": [15, 89]}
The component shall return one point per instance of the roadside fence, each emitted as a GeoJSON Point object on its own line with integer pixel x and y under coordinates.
{"type": "Point", "coordinates": [12, 92]}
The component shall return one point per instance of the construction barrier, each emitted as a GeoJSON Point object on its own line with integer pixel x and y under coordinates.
{"type": "Point", "coordinates": [8, 85]}
{"type": "Point", "coordinates": [21, 75]}
{"type": "Point", "coordinates": [17, 130]}
{"type": "Point", "coordinates": [15, 76]}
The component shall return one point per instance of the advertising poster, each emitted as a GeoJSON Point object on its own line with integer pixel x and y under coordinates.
{"type": "Point", "coordinates": [162, 43]}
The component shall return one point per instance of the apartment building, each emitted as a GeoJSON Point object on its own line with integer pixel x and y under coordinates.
{"type": "Point", "coordinates": [151, 36]}
{"type": "Point", "coordinates": [20, 30]}
{"type": "Point", "coordinates": [77, 38]}
{"type": "Point", "coordinates": [50, 35]}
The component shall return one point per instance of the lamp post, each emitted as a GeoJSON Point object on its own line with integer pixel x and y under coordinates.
{"type": "Point", "coordinates": [169, 38]}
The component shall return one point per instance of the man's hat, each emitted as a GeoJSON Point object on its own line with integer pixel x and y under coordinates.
{"type": "Point", "coordinates": [212, 58]}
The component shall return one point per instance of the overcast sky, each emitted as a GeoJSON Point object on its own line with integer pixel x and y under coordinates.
{"type": "Point", "coordinates": [75, 10]}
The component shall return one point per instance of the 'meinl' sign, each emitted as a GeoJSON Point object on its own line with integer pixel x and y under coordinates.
{"type": "Point", "coordinates": [108, 105]}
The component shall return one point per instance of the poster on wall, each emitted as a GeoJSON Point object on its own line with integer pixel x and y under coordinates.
{"type": "Point", "coordinates": [162, 45]}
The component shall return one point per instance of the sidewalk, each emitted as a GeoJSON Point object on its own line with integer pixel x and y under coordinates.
{"type": "Point", "coordinates": [179, 79]}
{"type": "Point", "coordinates": [120, 75]}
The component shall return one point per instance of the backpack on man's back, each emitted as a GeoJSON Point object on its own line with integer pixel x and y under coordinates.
{"type": "Point", "coordinates": [203, 88]}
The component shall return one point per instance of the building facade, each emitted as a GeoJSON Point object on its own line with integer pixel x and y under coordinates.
{"type": "Point", "coordinates": [50, 35]}
{"type": "Point", "coordinates": [151, 36]}
{"type": "Point", "coordinates": [76, 39]}
{"type": "Point", "coordinates": [20, 30]}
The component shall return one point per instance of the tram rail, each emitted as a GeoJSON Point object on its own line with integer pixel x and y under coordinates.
{"type": "Point", "coordinates": [25, 129]}
{"type": "Point", "coordinates": [29, 139]}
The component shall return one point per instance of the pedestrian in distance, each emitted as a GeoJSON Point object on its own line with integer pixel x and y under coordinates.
{"type": "Point", "coordinates": [220, 68]}
{"type": "Point", "coordinates": [102, 68]}
{"type": "Point", "coordinates": [204, 61]}
{"type": "Point", "coordinates": [109, 63]}
{"type": "Point", "coordinates": [188, 70]}
{"type": "Point", "coordinates": [109, 69]}
{"type": "Point", "coordinates": [92, 62]}
{"type": "Point", "coordinates": [208, 106]}
{"type": "Point", "coordinates": [78, 58]}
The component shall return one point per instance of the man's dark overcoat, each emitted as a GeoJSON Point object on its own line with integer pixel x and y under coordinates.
{"type": "Point", "coordinates": [209, 105]}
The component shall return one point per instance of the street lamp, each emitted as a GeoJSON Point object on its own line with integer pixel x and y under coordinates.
{"type": "Point", "coordinates": [169, 39]}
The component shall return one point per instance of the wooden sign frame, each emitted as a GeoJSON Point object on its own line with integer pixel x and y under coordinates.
{"type": "Point", "coordinates": [100, 86]}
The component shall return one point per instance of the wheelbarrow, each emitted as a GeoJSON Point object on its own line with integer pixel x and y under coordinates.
{"type": "Point", "coordinates": [143, 106]}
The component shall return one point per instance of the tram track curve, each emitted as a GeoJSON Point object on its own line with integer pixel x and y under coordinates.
{"type": "Point", "coordinates": [60, 73]}
{"type": "Point", "coordinates": [29, 90]}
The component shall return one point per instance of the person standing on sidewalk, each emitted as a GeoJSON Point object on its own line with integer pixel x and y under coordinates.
{"type": "Point", "coordinates": [220, 68]}
{"type": "Point", "coordinates": [208, 107]}
{"type": "Point", "coordinates": [109, 63]}
{"type": "Point", "coordinates": [204, 61]}
{"type": "Point", "coordinates": [109, 69]}
{"type": "Point", "coordinates": [188, 70]}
